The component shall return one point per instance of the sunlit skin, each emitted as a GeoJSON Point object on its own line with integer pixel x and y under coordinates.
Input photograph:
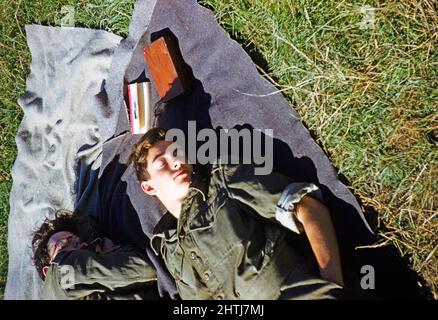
{"type": "Point", "coordinates": [169, 177]}
{"type": "Point", "coordinates": [316, 221]}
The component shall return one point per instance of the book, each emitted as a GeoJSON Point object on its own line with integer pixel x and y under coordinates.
{"type": "Point", "coordinates": [134, 119]}
{"type": "Point", "coordinates": [167, 68]}
{"type": "Point", "coordinates": [140, 107]}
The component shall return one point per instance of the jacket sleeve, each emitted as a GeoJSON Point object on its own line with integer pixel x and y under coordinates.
{"type": "Point", "coordinates": [83, 272]}
{"type": "Point", "coordinates": [271, 196]}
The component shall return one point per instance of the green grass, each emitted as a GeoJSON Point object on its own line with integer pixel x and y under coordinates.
{"type": "Point", "coordinates": [368, 95]}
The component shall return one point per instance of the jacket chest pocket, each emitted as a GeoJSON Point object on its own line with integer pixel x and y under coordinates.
{"type": "Point", "coordinates": [173, 255]}
{"type": "Point", "coordinates": [206, 215]}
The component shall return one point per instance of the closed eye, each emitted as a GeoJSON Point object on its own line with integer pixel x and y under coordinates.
{"type": "Point", "coordinates": [159, 163]}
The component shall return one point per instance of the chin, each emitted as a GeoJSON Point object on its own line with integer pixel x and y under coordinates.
{"type": "Point", "coordinates": [183, 190]}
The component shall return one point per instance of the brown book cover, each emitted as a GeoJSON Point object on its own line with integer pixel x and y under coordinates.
{"type": "Point", "coordinates": [166, 68]}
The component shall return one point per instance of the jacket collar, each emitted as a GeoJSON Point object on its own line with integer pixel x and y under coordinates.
{"type": "Point", "coordinates": [195, 198]}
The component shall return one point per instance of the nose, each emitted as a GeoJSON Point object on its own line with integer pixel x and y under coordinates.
{"type": "Point", "coordinates": [176, 164]}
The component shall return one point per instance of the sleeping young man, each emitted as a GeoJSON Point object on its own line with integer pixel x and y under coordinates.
{"type": "Point", "coordinates": [232, 234]}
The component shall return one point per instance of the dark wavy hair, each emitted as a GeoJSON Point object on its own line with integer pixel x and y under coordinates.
{"type": "Point", "coordinates": [81, 225]}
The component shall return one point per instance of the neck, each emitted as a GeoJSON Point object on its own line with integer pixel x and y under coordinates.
{"type": "Point", "coordinates": [174, 206]}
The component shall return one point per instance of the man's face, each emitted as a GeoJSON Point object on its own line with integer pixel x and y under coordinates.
{"type": "Point", "coordinates": [169, 176]}
{"type": "Point", "coordinates": [63, 241]}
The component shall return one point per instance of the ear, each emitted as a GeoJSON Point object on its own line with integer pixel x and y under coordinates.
{"type": "Point", "coordinates": [148, 188]}
{"type": "Point", "coordinates": [45, 270]}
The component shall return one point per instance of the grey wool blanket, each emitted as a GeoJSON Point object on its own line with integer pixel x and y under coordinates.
{"type": "Point", "coordinates": [58, 131]}
{"type": "Point", "coordinates": [73, 143]}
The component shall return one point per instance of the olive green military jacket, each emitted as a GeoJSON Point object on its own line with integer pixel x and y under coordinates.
{"type": "Point", "coordinates": [237, 238]}
{"type": "Point", "coordinates": [123, 273]}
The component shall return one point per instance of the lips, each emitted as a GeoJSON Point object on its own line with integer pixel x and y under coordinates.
{"type": "Point", "coordinates": [178, 173]}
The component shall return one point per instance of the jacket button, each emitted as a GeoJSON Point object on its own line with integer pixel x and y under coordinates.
{"type": "Point", "coordinates": [193, 255]}
{"type": "Point", "coordinates": [207, 276]}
